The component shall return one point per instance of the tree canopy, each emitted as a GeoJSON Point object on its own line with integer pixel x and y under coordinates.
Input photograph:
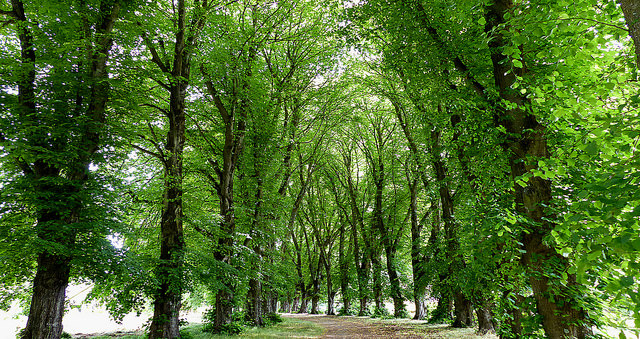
{"type": "Point", "coordinates": [475, 160]}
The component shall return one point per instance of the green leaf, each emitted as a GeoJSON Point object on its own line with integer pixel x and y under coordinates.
{"type": "Point", "coordinates": [482, 21]}
{"type": "Point", "coordinates": [517, 63]}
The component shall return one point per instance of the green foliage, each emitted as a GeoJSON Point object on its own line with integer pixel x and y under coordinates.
{"type": "Point", "coordinates": [271, 319]}
{"type": "Point", "coordinates": [380, 312]}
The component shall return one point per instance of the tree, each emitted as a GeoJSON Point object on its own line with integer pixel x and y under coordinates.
{"type": "Point", "coordinates": [56, 133]}
{"type": "Point", "coordinates": [176, 67]}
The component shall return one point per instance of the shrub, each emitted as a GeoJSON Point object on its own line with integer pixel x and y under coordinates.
{"type": "Point", "coordinates": [342, 311]}
{"type": "Point", "coordinates": [236, 326]}
{"type": "Point", "coordinates": [272, 319]}
{"type": "Point", "coordinates": [380, 312]}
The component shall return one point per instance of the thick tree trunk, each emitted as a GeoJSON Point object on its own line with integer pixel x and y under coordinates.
{"type": "Point", "coordinates": [463, 310]}
{"type": "Point", "coordinates": [399, 308]}
{"type": "Point", "coordinates": [167, 302]}
{"type": "Point", "coordinates": [315, 299]}
{"type": "Point", "coordinates": [515, 319]}
{"type": "Point", "coordinates": [442, 313]}
{"type": "Point", "coordinates": [304, 301]}
{"type": "Point", "coordinates": [421, 305]}
{"type": "Point", "coordinates": [485, 321]}
{"type": "Point", "coordinates": [363, 310]}
{"type": "Point", "coordinates": [224, 308]}
{"type": "Point", "coordinates": [331, 294]}
{"type": "Point", "coordinates": [47, 301]}
{"type": "Point", "coordinates": [562, 314]}
{"type": "Point", "coordinates": [254, 302]}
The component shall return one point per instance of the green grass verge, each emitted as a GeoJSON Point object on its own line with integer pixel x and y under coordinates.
{"type": "Point", "coordinates": [289, 328]}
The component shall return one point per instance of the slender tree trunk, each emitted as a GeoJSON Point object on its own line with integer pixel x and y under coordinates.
{"type": "Point", "coordinates": [331, 294]}
{"type": "Point", "coordinates": [377, 280]}
{"type": "Point", "coordinates": [168, 297]}
{"type": "Point", "coordinates": [562, 314]}
{"type": "Point", "coordinates": [463, 316]}
{"type": "Point", "coordinates": [362, 258]}
{"type": "Point", "coordinates": [286, 305]}
{"type": "Point", "coordinates": [417, 258]}
{"type": "Point", "coordinates": [344, 270]}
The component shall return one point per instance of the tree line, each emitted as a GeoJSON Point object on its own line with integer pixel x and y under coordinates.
{"type": "Point", "coordinates": [478, 159]}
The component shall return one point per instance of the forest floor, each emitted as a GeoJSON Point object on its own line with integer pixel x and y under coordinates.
{"type": "Point", "coordinates": [364, 327]}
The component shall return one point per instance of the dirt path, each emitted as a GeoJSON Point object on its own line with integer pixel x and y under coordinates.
{"type": "Point", "coordinates": [354, 327]}
{"type": "Point", "coordinates": [357, 327]}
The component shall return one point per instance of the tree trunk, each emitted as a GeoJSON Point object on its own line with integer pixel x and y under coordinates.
{"type": "Point", "coordinates": [167, 298]}
{"type": "Point", "coordinates": [377, 280]}
{"type": "Point", "coordinates": [331, 294]}
{"type": "Point", "coordinates": [631, 11]}
{"type": "Point", "coordinates": [254, 302]}
{"type": "Point", "coordinates": [463, 310]}
{"type": "Point", "coordinates": [224, 308]}
{"type": "Point", "coordinates": [362, 259]}
{"type": "Point", "coordinates": [363, 310]}
{"type": "Point", "coordinates": [421, 306]}
{"type": "Point", "coordinates": [167, 302]}
{"type": "Point", "coordinates": [463, 316]}
{"type": "Point", "coordinates": [417, 258]}
{"type": "Point", "coordinates": [562, 314]}
{"type": "Point", "coordinates": [442, 313]}
{"type": "Point", "coordinates": [285, 305]}
{"type": "Point", "coordinates": [315, 298]}
{"type": "Point", "coordinates": [330, 303]}
{"type": "Point", "coordinates": [485, 321]}
{"type": "Point", "coordinates": [344, 269]}
{"type": "Point", "coordinates": [47, 301]}
{"type": "Point", "coordinates": [303, 303]}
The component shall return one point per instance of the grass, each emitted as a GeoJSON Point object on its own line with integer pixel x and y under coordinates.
{"type": "Point", "coordinates": [289, 328]}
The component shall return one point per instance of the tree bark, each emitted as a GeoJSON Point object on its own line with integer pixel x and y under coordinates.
{"type": "Point", "coordinates": [47, 301]}
{"type": "Point", "coordinates": [485, 321]}
{"type": "Point", "coordinates": [254, 302]}
{"type": "Point", "coordinates": [344, 269]}
{"type": "Point", "coordinates": [631, 11]}
{"type": "Point", "coordinates": [417, 258]}
{"type": "Point", "coordinates": [463, 316]}
{"type": "Point", "coordinates": [362, 259]}
{"type": "Point", "coordinates": [168, 296]}
{"type": "Point", "coordinates": [562, 314]}
{"type": "Point", "coordinates": [376, 264]}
